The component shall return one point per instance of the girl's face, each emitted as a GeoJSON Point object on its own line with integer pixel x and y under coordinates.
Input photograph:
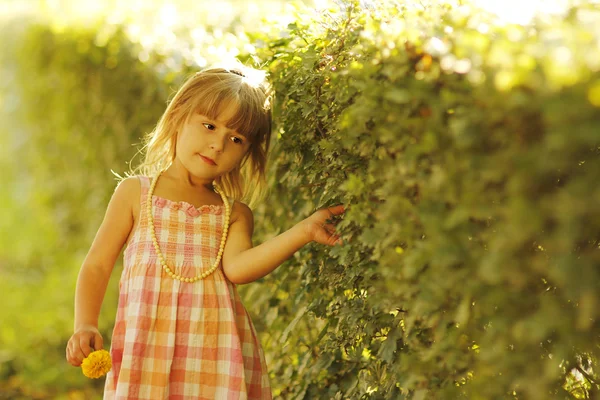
{"type": "Point", "coordinates": [207, 148]}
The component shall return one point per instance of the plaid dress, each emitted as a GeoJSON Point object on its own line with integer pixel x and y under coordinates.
{"type": "Point", "coordinates": [178, 340]}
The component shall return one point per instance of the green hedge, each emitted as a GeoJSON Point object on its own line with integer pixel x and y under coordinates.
{"type": "Point", "coordinates": [467, 150]}
{"type": "Point", "coordinates": [469, 153]}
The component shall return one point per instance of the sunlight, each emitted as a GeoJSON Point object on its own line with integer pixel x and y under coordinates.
{"type": "Point", "coordinates": [169, 15]}
{"type": "Point", "coordinates": [522, 11]}
{"type": "Point", "coordinates": [254, 77]}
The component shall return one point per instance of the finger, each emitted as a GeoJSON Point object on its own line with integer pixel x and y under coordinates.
{"type": "Point", "coordinates": [98, 342]}
{"type": "Point", "coordinates": [330, 228]}
{"type": "Point", "coordinates": [333, 237]}
{"type": "Point", "coordinates": [337, 210]}
{"type": "Point", "coordinates": [75, 361]}
{"type": "Point", "coordinates": [330, 236]}
{"type": "Point", "coordinates": [74, 357]}
{"type": "Point", "coordinates": [331, 219]}
{"type": "Point", "coordinates": [84, 344]}
{"type": "Point", "coordinates": [333, 240]}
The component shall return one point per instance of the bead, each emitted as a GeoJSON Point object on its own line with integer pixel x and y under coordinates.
{"type": "Point", "coordinates": [159, 254]}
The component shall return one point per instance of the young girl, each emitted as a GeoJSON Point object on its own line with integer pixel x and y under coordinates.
{"type": "Point", "coordinates": [181, 331]}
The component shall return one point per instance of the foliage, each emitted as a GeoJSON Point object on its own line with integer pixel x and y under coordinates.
{"type": "Point", "coordinates": [467, 151]}
{"type": "Point", "coordinates": [469, 154]}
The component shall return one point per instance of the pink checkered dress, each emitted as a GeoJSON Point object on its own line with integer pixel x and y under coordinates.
{"type": "Point", "coordinates": [177, 340]}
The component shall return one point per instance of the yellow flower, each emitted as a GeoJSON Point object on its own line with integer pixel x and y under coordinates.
{"type": "Point", "coordinates": [96, 364]}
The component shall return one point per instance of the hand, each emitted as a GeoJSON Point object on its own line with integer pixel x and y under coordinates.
{"type": "Point", "coordinates": [85, 340]}
{"type": "Point", "coordinates": [320, 229]}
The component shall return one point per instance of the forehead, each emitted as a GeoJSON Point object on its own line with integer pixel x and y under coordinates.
{"type": "Point", "coordinates": [243, 116]}
{"type": "Point", "coordinates": [224, 118]}
{"type": "Point", "coordinates": [226, 113]}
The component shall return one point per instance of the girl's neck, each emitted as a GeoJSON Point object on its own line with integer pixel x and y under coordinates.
{"type": "Point", "coordinates": [182, 177]}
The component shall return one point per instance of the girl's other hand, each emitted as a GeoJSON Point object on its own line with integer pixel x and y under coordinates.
{"type": "Point", "coordinates": [321, 229]}
{"type": "Point", "coordinates": [85, 340]}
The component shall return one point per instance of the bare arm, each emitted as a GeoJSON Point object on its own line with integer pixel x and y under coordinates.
{"type": "Point", "coordinates": [96, 269]}
{"type": "Point", "coordinates": [243, 263]}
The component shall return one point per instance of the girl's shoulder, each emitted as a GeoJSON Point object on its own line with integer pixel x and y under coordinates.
{"type": "Point", "coordinates": [124, 199]}
{"type": "Point", "coordinates": [132, 180]}
{"type": "Point", "coordinates": [130, 187]}
{"type": "Point", "coordinates": [241, 211]}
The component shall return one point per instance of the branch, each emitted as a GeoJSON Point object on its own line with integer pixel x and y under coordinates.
{"type": "Point", "coordinates": [586, 375]}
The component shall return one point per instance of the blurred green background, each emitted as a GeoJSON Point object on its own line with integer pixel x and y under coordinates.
{"type": "Point", "coordinates": [468, 145]}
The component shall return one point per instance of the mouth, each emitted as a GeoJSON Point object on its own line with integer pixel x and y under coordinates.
{"type": "Point", "coordinates": [207, 160]}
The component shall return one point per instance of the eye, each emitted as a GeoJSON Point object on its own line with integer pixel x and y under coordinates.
{"type": "Point", "coordinates": [236, 140]}
{"type": "Point", "coordinates": [208, 126]}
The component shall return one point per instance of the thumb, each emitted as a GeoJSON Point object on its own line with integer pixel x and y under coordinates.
{"type": "Point", "coordinates": [98, 342]}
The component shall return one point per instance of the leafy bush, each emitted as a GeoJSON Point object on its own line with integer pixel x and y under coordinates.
{"type": "Point", "coordinates": [469, 154]}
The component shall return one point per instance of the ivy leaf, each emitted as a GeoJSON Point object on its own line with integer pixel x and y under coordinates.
{"type": "Point", "coordinates": [389, 346]}
{"type": "Point", "coordinates": [299, 314]}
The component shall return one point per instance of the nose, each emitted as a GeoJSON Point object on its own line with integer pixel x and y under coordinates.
{"type": "Point", "coordinates": [217, 144]}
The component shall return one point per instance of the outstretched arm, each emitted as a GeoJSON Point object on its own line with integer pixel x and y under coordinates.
{"type": "Point", "coordinates": [243, 263]}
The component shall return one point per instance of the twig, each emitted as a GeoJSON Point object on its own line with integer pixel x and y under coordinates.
{"type": "Point", "coordinates": [586, 375]}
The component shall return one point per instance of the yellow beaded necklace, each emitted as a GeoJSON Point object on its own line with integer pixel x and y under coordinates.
{"type": "Point", "coordinates": [159, 254]}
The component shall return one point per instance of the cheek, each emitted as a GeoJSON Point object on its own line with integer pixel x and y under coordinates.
{"type": "Point", "coordinates": [184, 140]}
{"type": "Point", "coordinates": [236, 161]}
{"type": "Point", "coordinates": [243, 153]}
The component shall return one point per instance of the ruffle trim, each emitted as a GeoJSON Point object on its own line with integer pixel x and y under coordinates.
{"type": "Point", "coordinates": [186, 207]}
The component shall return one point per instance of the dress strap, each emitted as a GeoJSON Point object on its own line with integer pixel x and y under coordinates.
{"type": "Point", "coordinates": [145, 186]}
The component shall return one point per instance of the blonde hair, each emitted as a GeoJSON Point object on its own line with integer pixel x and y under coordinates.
{"type": "Point", "coordinates": [206, 93]}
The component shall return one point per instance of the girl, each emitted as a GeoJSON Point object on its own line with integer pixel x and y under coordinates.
{"type": "Point", "coordinates": [181, 330]}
